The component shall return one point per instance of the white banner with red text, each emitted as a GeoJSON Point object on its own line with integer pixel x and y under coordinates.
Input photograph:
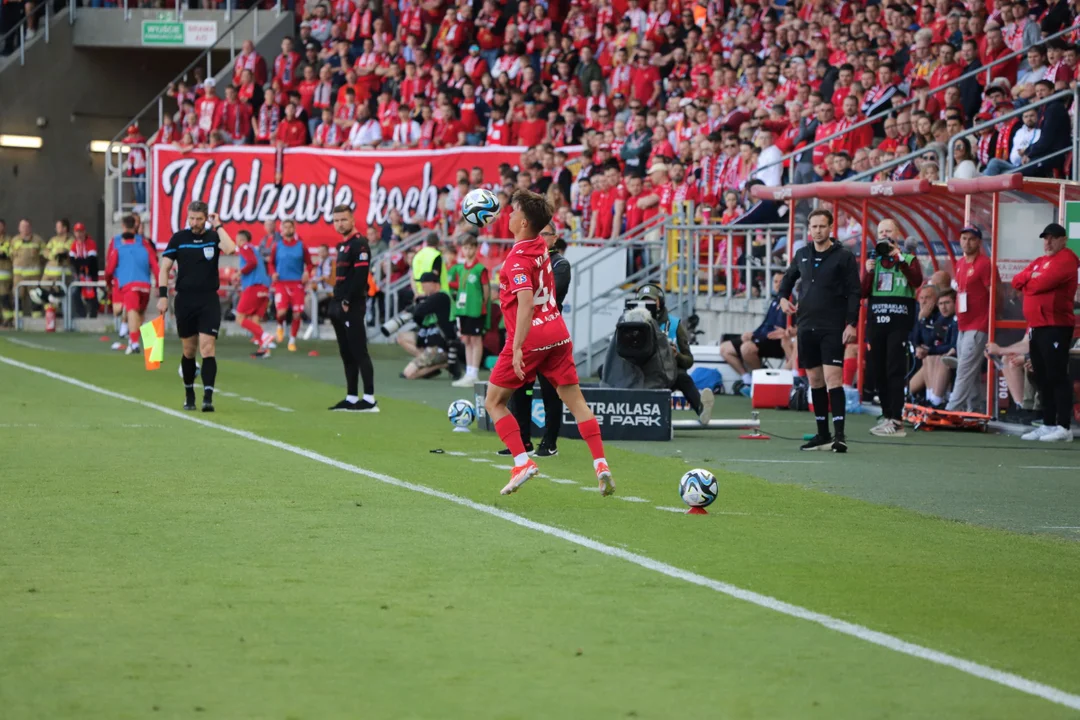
{"type": "Point", "coordinates": [242, 185]}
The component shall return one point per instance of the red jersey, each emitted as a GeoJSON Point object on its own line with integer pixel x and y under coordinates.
{"type": "Point", "coordinates": [1049, 285]}
{"type": "Point", "coordinates": [528, 269]}
{"type": "Point", "coordinates": [973, 299]}
{"type": "Point", "coordinates": [530, 132]}
{"type": "Point", "coordinates": [292, 133]}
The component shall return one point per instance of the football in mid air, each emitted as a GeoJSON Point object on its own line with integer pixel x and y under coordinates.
{"type": "Point", "coordinates": [698, 488]}
{"type": "Point", "coordinates": [461, 413]}
{"type": "Point", "coordinates": [480, 207]}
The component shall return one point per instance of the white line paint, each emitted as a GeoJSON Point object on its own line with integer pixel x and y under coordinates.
{"type": "Point", "coordinates": [31, 345]}
{"type": "Point", "coordinates": [631, 498]}
{"type": "Point", "coordinates": [483, 460]}
{"type": "Point", "coordinates": [503, 467]}
{"type": "Point", "coordinates": [786, 462]}
{"type": "Point", "coordinates": [680, 510]}
{"type": "Point", "coordinates": [455, 453]}
{"type": "Point", "coordinates": [242, 398]}
{"type": "Point", "coordinates": [1049, 467]}
{"type": "Point", "coordinates": [1060, 527]}
{"type": "Point", "coordinates": [590, 488]}
{"type": "Point", "coordinates": [874, 637]}
{"type": "Point", "coordinates": [562, 481]}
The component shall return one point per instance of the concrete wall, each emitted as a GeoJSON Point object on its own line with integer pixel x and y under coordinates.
{"type": "Point", "coordinates": [104, 27]}
{"type": "Point", "coordinates": [83, 95]}
{"type": "Point", "coordinates": [719, 316]}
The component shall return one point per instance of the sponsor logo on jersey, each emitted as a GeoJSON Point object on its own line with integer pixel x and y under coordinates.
{"type": "Point", "coordinates": [521, 279]}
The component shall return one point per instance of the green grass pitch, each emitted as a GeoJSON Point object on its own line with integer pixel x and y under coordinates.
{"type": "Point", "coordinates": [155, 567]}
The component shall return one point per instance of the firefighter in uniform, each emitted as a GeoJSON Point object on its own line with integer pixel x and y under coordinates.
{"type": "Point", "coordinates": [57, 272]}
{"type": "Point", "coordinates": [6, 315]}
{"type": "Point", "coordinates": [26, 257]}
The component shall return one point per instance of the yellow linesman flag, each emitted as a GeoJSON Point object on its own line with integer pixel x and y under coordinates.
{"type": "Point", "coordinates": [153, 340]}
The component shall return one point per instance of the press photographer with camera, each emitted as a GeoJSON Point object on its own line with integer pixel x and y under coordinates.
{"type": "Point", "coordinates": [433, 344]}
{"type": "Point", "coordinates": [890, 282]}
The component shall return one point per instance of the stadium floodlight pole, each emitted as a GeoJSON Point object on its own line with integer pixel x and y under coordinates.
{"type": "Point", "coordinates": [873, 119]}
{"type": "Point", "coordinates": [1061, 95]}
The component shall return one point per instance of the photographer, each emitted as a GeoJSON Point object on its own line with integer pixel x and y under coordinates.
{"type": "Point", "coordinates": [701, 402]}
{"type": "Point", "coordinates": [433, 344]}
{"type": "Point", "coordinates": [890, 282]}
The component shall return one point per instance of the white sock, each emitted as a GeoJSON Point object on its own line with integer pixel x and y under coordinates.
{"type": "Point", "coordinates": [123, 329]}
{"type": "Point", "coordinates": [370, 399]}
{"type": "Point", "coordinates": [471, 371]}
{"type": "Point", "coordinates": [352, 398]}
{"type": "Point", "coordinates": [292, 339]}
{"type": "Point", "coordinates": [747, 378]}
{"type": "Point", "coordinates": [597, 461]}
{"type": "Point", "coordinates": [932, 397]}
{"type": "Point", "coordinates": [521, 459]}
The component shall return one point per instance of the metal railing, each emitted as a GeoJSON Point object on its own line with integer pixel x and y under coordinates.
{"type": "Point", "coordinates": [178, 11]}
{"type": "Point", "coordinates": [19, 31]}
{"type": "Point", "coordinates": [116, 155]}
{"type": "Point", "coordinates": [1073, 93]}
{"type": "Point", "coordinates": [719, 266]}
{"type": "Point", "coordinates": [29, 284]}
{"type": "Point", "coordinates": [874, 119]}
{"type": "Point", "coordinates": [69, 300]}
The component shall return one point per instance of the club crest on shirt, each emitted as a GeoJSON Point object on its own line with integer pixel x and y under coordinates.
{"type": "Point", "coordinates": [521, 279]}
{"type": "Point", "coordinates": [208, 252]}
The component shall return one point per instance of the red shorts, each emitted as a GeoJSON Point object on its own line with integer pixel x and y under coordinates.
{"type": "Point", "coordinates": [254, 301]}
{"type": "Point", "coordinates": [556, 364]}
{"type": "Point", "coordinates": [135, 297]}
{"type": "Point", "coordinates": [289, 294]}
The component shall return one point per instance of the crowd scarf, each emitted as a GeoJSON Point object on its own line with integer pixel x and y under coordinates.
{"type": "Point", "coordinates": [284, 67]}
{"type": "Point", "coordinates": [246, 62]}
{"type": "Point", "coordinates": [322, 95]}
{"type": "Point", "coordinates": [427, 134]}
{"type": "Point", "coordinates": [269, 117]}
{"type": "Point", "coordinates": [985, 148]}
{"type": "Point", "coordinates": [360, 24]}
{"type": "Point", "coordinates": [1005, 134]}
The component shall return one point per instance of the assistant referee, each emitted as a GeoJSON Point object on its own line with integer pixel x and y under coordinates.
{"type": "Point", "coordinates": [347, 309]}
{"type": "Point", "coordinates": [828, 310]}
{"type": "Point", "coordinates": [195, 252]}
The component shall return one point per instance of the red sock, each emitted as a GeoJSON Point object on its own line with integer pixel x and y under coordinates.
{"type": "Point", "coordinates": [510, 434]}
{"type": "Point", "coordinates": [851, 366]}
{"type": "Point", "coordinates": [590, 433]}
{"type": "Point", "coordinates": [295, 327]}
{"type": "Point", "coordinates": [252, 327]}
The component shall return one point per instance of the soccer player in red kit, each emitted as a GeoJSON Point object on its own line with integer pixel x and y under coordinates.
{"type": "Point", "coordinates": [537, 341]}
{"type": "Point", "coordinates": [130, 267]}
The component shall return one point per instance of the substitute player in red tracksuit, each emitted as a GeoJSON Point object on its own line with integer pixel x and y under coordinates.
{"type": "Point", "coordinates": [133, 263]}
{"type": "Point", "coordinates": [537, 341]}
{"type": "Point", "coordinates": [290, 268]}
{"type": "Point", "coordinates": [254, 293]}
{"type": "Point", "coordinates": [1049, 287]}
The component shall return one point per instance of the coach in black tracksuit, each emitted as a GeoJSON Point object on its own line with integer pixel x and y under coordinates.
{"type": "Point", "coordinates": [195, 251]}
{"type": "Point", "coordinates": [521, 400]}
{"type": "Point", "coordinates": [347, 308]}
{"type": "Point", "coordinates": [828, 311]}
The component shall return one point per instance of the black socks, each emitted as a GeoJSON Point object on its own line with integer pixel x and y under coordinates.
{"type": "Point", "coordinates": [838, 404]}
{"type": "Point", "coordinates": [820, 398]}
{"type": "Point", "coordinates": [209, 374]}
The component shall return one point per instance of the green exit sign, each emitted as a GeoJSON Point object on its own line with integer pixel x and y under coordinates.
{"type": "Point", "coordinates": [162, 32]}
{"type": "Point", "coordinates": [1072, 224]}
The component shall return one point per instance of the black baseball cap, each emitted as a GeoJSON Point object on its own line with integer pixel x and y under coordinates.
{"type": "Point", "coordinates": [973, 230]}
{"type": "Point", "coordinates": [1053, 230]}
{"type": "Point", "coordinates": [429, 277]}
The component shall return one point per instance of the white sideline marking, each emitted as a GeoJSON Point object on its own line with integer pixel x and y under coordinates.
{"type": "Point", "coordinates": [874, 637]}
{"type": "Point", "coordinates": [760, 460]}
{"type": "Point", "coordinates": [1060, 527]}
{"type": "Point", "coordinates": [1049, 467]}
{"type": "Point", "coordinates": [484, 460]}
{"type": "Point", "coordinates": [456, 453]}
{"type": "Point", "coordinates": [630, 498]}
{"type": "Point", "coordinates": [503, 467]}
{"type": "Point", "coordinates": [563, 481]}
{"type": "Point", "coordinates": [31, 345]}
{"type": "Point", "coordinates": [672, 509]}
{"type": "Point", "coordinates": [243, 398]}
{"type": "Point", "coordinates": [590, 488]}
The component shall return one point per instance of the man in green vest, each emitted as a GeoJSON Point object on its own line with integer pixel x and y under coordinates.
{"type": "Point", "coordinates": [427, 260]}
{"type": "Point", "coordinates": [890, 282]}
{"type": "Point", "coordinates": [6, 277]}
{"type": "Point", "coordinates": [470, 286]}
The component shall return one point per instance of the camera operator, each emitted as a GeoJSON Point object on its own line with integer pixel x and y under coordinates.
{"type": "Point", "coordinates": [890, 282]}
{"type": "Point", "coordinates": [433, 344]}
{"type": "Point", "coordinates": [701, 402]}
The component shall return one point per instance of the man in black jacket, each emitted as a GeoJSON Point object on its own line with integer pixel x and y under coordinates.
{"type": "Point", "coordinates": [971, 90]}
{"type": "Point", "coordinates": [828, 310]}
{"type": "Point", "coordinates": [521, 401]}
{"type": "Point", "coordinates": [1055, 133]}
{"type": "Point", "coordinates": [347, 310]}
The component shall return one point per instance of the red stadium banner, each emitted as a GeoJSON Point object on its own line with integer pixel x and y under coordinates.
{"type": "Point", "coordinates": [238, 184]}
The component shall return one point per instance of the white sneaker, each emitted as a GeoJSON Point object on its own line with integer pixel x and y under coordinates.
{"type": "Point", "coordinates": [1038, 433]}
{"type": "Point", "coordinates": [1057, 433]}
{"type": "Point", "coordinates": [131, 349]}
{"type": "Point", "coordinates": [117, 346]}
{"type": "Point", "coordinates": [881, 421]}
{"type": "Point", "coordinates": [707, 402]}
{"type": "Point", "coordinates": [466, 381]}
{"type": "Point", "coordinates": [889, 428]}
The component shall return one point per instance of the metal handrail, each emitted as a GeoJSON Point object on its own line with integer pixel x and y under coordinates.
{"type": "Point", "coordinates": [20, 27]}
{"type": "Point", "coordinates": [69, 321]}
{"type": "Point", "coordinates": [935, 148]}
{"type": "Point", "coordinates": [1072, 92]}
{"type": "Point", "coordinates": [203, 56]}
{"type": "Point", "coordinates": [873, 119]}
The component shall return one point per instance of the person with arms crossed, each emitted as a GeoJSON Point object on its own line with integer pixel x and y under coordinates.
{"type": "Point", "coordinates": [890, 283]}
{"type": "Point", "coordinates": [470, 282]}
{"type": "Point", "coordinates": [289, 267]}
{"type": "Point", "coordinates": [347, 309]}
{"type": "Point", "coordinates": [1049, 286]}
{"type": "Point", "coordinates": [195, 251]}
{"type": "Point", "coordinates": [826, 315]}
{"type": "Point", "coordinates": [537, 341]}
{"type": "Point", "coordinates": [973, 276]}
{"type": "Point", "coordinates": [254, 293]}
{"type": "Point", "coordinates": [132, 261]}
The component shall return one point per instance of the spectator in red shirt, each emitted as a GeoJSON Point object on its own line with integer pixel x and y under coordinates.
{"type": "Point", "coordinates": [644, 80]}
{"type": "Point", "coordinates": [996, 48]}
{"type": "Point", "coordinates": [232, 119]}
{"type": "Point", "coordinates": [1049, 288]}
{"type": "Point", "coordinates": [291, 132]}
{"type": "Point", "coordinates": [532, 130]}
{"type": "Point", "coordinates": [248, 59]}
{"type": "Point", "coordinates": [973, 277]}
{"type": "Point", "coordinates": [498, 130]}
{"type": "Point", "coordinates": [265, 123]}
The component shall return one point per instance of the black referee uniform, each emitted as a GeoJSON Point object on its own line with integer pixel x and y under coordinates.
{"type": "Point", "coordinates": [347, 310]}
{"type": "Point", "coordinates": [521, 400]}
{"type": "Point", "coordinates": [829, 298]}
{"type": "Point", "coordinates": [196, 307]}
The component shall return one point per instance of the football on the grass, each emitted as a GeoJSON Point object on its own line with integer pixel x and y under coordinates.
{"type": "Point", "coordinates": [698, 488]}
{"type": "Point", "coordinates": [461, 413]}
{"type": "Point", "coordinates": [480, 207]}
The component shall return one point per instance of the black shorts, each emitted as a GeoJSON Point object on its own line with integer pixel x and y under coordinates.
{"type": "Point", "coordinates": [821, 347]}
{"type": "Point", "coordinates": [472, 326]}
{"type": "Point", "coordinates": [197, 314]}
{"type": "Point", "coordinates": [766, 348]}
